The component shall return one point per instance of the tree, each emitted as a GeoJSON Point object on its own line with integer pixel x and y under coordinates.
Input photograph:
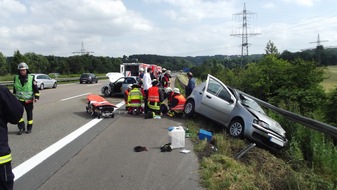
{"type": "Point", "coordinates": [4, 68]}
{"type": "Point", "coordinates": [271, 49]}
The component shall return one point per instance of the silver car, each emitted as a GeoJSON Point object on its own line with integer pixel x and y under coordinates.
{"type": "Point", "coordinates": [44, 81]}
{"type": "Point", "coordinates": [241, 115]}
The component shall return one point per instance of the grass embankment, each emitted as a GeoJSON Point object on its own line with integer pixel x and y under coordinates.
{"type": "Point", "coordinates": [330, 82]}
{"type": "Point", "coordinates": [257, 169]}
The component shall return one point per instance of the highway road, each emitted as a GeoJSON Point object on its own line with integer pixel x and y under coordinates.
{"type": "Point", "coordinates": [69, 149]}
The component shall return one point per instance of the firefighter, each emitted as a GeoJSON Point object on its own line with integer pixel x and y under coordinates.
{"type": "Point", "coordinates": [135, 100]}
{"type": "Point", "coordinates": [166, 81]}
{"type": "Point", "coordinates": [26, 90]}
{"type": "Point", "coordinates": [154, 100]}
{"type": "Point", "coordinates": [126, 95]}
{"type": "Point", "coordinates": [177, 104]}
{"type": "Point", "coordinates": [11, 111]}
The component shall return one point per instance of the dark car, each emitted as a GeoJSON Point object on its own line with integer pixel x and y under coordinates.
{"type": "Point", "coordinates": [88, 78]}
{"type": "Point", "coordinates": [118, 86]}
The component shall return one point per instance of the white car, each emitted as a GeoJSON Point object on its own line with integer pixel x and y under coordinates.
{"type": "Point", "coordinates": [44, 81]}
{"type": "Point", "coordinates": [241, 115]}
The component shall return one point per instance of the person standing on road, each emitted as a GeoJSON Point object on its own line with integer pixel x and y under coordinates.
{"type": "Point", "coordinates": [11, 110]}
{"type": "Point", "coordinates": [26, 90]}
{"type": "Point", "coordinates": [147, 83]}
{"type": "Point", "coordinates": [166, 81]}
{"type": "Point", "coordinates": [190, 85]}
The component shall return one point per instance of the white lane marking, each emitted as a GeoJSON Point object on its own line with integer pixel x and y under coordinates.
{"type": "Point", "coordinates": [31, 163]}
{"type": "Point", "coordinates": [75, 96]}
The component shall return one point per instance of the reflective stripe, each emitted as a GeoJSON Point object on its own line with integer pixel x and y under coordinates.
{"type": "Point", "coordinates": [21, 120]}
{"type": "Point", "coordinates": [5, 159]}
{"type": "Point", "coordinates": [30, 122]}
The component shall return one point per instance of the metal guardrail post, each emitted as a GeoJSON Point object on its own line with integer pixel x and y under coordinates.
{"type": "Point", "coordinates": [245, 150]}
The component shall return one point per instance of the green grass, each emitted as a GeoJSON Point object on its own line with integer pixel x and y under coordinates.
{"type": "Point", "coordinates": [330, 82]}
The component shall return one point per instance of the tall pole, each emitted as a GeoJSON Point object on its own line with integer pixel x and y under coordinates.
{"type": "Point", "coordinates": [244, 32]}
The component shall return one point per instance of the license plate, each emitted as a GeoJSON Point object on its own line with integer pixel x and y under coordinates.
{"type": "Point", "coordinates": [276, 141]}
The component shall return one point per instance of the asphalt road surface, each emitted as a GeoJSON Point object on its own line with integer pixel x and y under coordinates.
{"type": "Point", "coordinates": [69, 149]}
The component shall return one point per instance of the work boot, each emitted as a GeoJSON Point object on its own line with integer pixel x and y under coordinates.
{"type": "Point", "coordinates": [21, 131]}
{"type": "Point", "coordinates": [28, 131]}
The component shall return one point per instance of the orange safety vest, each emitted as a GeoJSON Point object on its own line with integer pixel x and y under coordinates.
{"type": "Point", "coordinates": [181, 102]}
{"type": "Point", "coordinates": [153, 94]}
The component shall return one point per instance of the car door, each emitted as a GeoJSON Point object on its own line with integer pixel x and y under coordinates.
{"type": "Point", "coordinates": [48, 81]}
{"type": "Point", "coordinates": [217, 101]}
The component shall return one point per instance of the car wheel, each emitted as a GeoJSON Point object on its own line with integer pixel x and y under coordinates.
{"type": "Point", "coordinates": [106, 92]}
{"type": "Point", "coordinates": [189, 108]}
{"type": "Point", "coordinates": [97, 81]}
{"type": "Point", "coordinates": [41, 86]}
{"type": "Point", "coordinates": [236, 128]}
{"type": "Point", "coordinates": [55, 85]}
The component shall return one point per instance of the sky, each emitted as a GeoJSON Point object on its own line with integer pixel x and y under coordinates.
{"type": "Point", "coordinates": [115, 28]}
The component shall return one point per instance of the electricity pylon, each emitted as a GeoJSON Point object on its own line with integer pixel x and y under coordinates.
{"type": "Point", "coordinates": [244, 33]}
{"type": "Point", "coordinates": [82, 51]}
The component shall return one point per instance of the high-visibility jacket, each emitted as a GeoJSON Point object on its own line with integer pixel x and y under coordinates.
{"type": "Point", "coordinates": [153, 94]}
{"type": "Point", "coordinates": [25, 92]}
{"type": "Point", "coordinates": [181, 102]}
{"type": "Point", "coordinates": [154, 98]}
{"type": "Point", "coordinates": [135, 98]}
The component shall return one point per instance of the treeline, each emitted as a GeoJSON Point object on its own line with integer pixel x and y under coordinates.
{"type": "Point", "coordinates": [292, 84]}
{"type": "Point", "coordinates": [89, 63]}
{"type": "Point", "coordinates": [83, 63]}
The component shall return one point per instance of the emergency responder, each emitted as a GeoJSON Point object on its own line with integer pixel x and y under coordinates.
{"type": "Point", "coordinates": [154, 100]}
{"type": "Point", "coordinates": [140, 77]}
{"type": "Point", "coordinates": [191, 84]}
{"type": "Point", "coordinates": [26, 90]}
{"type": "Point", "coordinates": [162, 75]}
{"type": "Point", "coordinates": [11, 110]}
{"type": "Point", "coordinates": [166, 81]}
{"type": "Point", "coordinates": [177, 103]}
{"type": "Point", "coordinates": [135, 100]}
{"type": "Point", "coordinates": [126, 95]}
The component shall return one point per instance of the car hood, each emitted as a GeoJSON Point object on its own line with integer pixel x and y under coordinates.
{"type": "Point", "coordinates": [113, 76]}
{"type": "Point", "coordinates": [273, 125]}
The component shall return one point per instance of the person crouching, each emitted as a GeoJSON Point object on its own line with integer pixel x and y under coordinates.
{"type": "Point", "coordinates": [177, 104]}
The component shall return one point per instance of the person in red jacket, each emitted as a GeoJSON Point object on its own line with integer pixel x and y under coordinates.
{"type": "Point", "coordinates": [154, 100]}
{"type": "Point", "coordinates": [176, 104]}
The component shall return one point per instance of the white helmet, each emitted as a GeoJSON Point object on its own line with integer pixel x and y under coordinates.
{"type": "Point", "coordinates": [141, 69]}
{"type": "Point", "coordinates": [168, 72]}
{"type": "Point", "coordinates": [176, 90]}
{"type": "Point", "coordinates": [22, 66]}
{"type": "Point", "coordinates": [163, 69]}
{"type": "Point", "coordinates": [129, 86]}
{"type": "Point", "coordinates": [168, 89]}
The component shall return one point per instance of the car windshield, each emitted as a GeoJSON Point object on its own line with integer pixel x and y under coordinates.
{"type": "Point", "coordinates": [251, 104]}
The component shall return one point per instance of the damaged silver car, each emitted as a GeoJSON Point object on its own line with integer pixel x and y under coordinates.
{"type": "Point", "coordinates": [241, 115]}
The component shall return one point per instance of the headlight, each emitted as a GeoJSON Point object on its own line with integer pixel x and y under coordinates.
{"type": "Point", "coordinates": [261, 123]}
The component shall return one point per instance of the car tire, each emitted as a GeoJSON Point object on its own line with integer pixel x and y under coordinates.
{"type": "Point", "coordinates": [55, 85]}
{"type": "Point", "coordinates": [41, 86]}
{"type": "Point", "coordinates": [81, 82]}
{"type": "Point", "coordinates": [97, 81]}
{"type": "Point", "coordinates": [106, 92]}
{"type": "Point", "coordinates": [189, 108]}
{"type": "Point", "coordinates": [236, 128]}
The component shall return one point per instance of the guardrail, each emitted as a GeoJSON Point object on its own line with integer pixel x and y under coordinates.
{"type": "Point", "coordinates": [10, 83]}
{"type": "Point", "coordinates": [308, 122]}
